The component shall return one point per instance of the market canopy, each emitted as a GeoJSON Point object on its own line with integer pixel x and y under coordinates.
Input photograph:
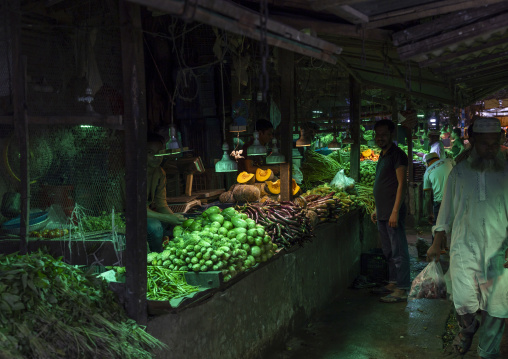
{"type": "Point", "coordinates": [451, 51]}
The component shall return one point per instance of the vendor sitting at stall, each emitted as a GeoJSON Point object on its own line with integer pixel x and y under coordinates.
{"type": "Point", "coordinates": [251, 163]}
{"type": "Point", "coordinates": [160, 218]}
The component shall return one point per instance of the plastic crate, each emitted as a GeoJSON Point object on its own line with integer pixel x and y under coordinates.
{"type": "Point", "coordinates": [374, 266]}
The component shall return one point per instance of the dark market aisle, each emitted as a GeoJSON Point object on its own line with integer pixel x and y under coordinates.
{"type": "Point", "coordinates": [357, 326]}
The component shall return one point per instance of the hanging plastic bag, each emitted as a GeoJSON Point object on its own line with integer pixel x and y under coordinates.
{"type": "Point", "coordinates": [342, 182]}
{"type": "Point", "coordinates": [430, 283]}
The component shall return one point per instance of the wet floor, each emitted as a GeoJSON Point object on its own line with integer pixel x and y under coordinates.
{"type": "Point", "coordinates": [357, 326]}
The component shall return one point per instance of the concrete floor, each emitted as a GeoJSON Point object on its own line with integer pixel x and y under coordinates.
{"type": "Point", "coordinates": [357, 326]}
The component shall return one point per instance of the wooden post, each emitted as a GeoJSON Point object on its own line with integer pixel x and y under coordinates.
{"type": "Point", "coordinates": [135, 160]}
{"type": "Point", "coordinates": [354, 116]}
{"type": "Point", "coordinates": [20, 121]}
{"type": "Point", "coordinates": [287, 111]}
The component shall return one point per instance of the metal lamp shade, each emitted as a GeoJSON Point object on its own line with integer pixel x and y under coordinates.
{"type": "Point", "coordinates": [302, 141]}
{"type": "Point", "coordinates": [275, 157]}
{"type": "Point", "coordinates": [256, 149]}
{"type": "Point", "coordinates": [226, 164]}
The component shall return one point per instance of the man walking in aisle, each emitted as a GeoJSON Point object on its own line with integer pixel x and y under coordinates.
{"type": "Point", "coordinates": [475, 210]}
{"type": "Point", "coordinates": [434, 181]}
{"type": "Point", "coordinates": [390, 212]}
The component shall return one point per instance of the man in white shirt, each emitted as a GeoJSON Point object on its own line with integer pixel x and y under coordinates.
{"type": "Point", "coordinates": [474, 210]}
{"type": "Point", "coordinates": [434, 181]}
{"type": "Point", "coordinates": [436, 145]}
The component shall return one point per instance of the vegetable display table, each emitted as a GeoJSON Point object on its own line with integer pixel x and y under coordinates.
{"type": "Point", "coordinates": [245, 317]}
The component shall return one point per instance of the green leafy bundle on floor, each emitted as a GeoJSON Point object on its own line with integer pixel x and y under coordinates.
{"type": "Point", "coordinates": [49, 309]}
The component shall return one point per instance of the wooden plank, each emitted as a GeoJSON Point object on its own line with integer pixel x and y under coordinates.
{"type": "Point", "coordinates": [457, 54]}
{"type": "Point", "coordinates": [349, 13]}
{"type": "Point", "coordinates": [354, 115]}
{"type": "Point", "coordinates": [478, 61]}
{"type": "Point", "coordinates": [446, 23]}
{"type": "Point", "coordinates": [20, 120]}
{"type": "Point", "coordinates": [231, 17]}
{"type": "Point", "coordinates": [333, 29]}
{"type": "Point", "coordinates": [453, 37]}
{"type": "Point", "coordinates": [135, 160]}
{"type": "Point", "coordinates": [427, 10]}
{"type": "Point", "coordinates": [400, 89]}
{"type": "Point", "coordinates": [287, 112]}
{"type": "Point", "coordinates": [188, 184]}
{"type": "Point", "coordinates": [115, 122]}
{"type": "Point", "coordinates": [320, 5]}
{"type": "Point", "coordinates": [496, 68]}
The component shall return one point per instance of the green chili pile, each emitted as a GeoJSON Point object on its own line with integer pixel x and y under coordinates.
{"type": "Point", "coordinates": [49, 309]}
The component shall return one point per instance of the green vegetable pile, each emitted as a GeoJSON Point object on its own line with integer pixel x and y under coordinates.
{"type": "Point", "coordinates": [164, 284]}
{"type": "Point", "coordinates": [318, 167]}
{"type": "Point", "coordinates": [367, 172]}
{"type": "Point", "coordinates": [101, 223]}
{"type": "Point", "coordinates": [49, 309]}
{"type": "Point", "coordinates": [225, 241]}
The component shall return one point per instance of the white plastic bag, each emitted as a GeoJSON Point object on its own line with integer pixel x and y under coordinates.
{"type": "Point", "coordinates": [342, 182]}
{"type": "Point", "coordinates": [430, 283]}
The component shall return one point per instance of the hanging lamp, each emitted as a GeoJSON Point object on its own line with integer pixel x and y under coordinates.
{"type": "Point", "coordinates": [173, 143]}
{"type": "Point", "coordinates": [226, 164]}
{"type": "Point", "coordinates": [334, 145]}
{"type": "Point", "coordinates": [275, 157]}
{"type": "Point", "coordinates": [302, 141]}
{"type": "Point", "coordinates": [256, 149]}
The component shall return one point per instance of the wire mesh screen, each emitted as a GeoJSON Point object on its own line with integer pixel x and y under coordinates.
{"type": "Point", "coordinates": [72, 51]}
{"type": "Point", "coordinates": [73, 68]}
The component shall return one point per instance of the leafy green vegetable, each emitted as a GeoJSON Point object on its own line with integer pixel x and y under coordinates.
{"type": "Point", "coordinates": [49, 309]}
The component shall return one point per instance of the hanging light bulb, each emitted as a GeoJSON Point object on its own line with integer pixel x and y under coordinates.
{"type": "Point", "coordinates": [226, 164]}
{"type": "Point", "coordinates": [256, 149]}
{"type": "Point", "coordinates": [302, 141]}
{"type": "Point", "coordinates": [275, 157]}
{"type": "Point", "coordinates": [334, 145]}
{"type": "Point", "coordinates": [173, 145]}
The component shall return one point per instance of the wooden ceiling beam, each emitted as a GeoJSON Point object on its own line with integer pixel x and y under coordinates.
{"type": "Point", "coordinates": [321, 5]}
{"type": "Point", "coordinates": [453, 37]}
{"type": "Point", "coordinates": [468, 51]}
{"type": "Point", "coordinates": [446, 23]}
{"type": "Point", "coordinates": [334, 29]}
{"type": "Point", "coordinates": [349, 13]}
{"type": "Point", "coordinates": [419, 12]}
{"type": "Point", "coordinates": [492, 68]}
{"type": "Point", "coordinates": [498, 57]}
{"type": "Point", "coordinates": [407, 92]}
{"type": "Point", "coordinates": [240, 20]}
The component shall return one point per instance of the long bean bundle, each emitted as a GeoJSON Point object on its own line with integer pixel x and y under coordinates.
{"type": "Point", "coordinates": [164, 284]}
{"type": "Point", "coordinates": [366, 197]}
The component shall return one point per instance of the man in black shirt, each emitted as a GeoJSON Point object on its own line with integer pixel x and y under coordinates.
{"type": "Point", "coordinates": [390, 212]}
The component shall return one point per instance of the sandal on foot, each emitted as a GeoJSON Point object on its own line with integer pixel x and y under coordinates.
{"type": "Point", "coordinates": [462, 343]}
{"type": "Point", "coordinates": [393, 299]}
{"type": "Point", "coordinates": [381, 290]}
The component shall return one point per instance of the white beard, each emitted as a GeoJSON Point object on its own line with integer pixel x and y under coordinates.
{"type": "Point", "coordinates": [480, 164]}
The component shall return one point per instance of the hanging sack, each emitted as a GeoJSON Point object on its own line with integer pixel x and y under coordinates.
{"type": "Point", "coordinates": [430, 283]}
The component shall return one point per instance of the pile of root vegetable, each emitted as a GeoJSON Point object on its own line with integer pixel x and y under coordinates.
{"type": "Point", "coordinates": [49, 309]}
{"type": "Point", "coordinates": [286, 223]}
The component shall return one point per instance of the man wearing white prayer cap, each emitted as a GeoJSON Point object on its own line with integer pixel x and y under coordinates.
{"type": "Point", "coordinates": [474, 209]}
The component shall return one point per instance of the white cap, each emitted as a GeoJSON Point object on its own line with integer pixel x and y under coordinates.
{"type": "Point", "coordinates": [430, 156]}
{"type": "Point", "coordinates": [487, 125]}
